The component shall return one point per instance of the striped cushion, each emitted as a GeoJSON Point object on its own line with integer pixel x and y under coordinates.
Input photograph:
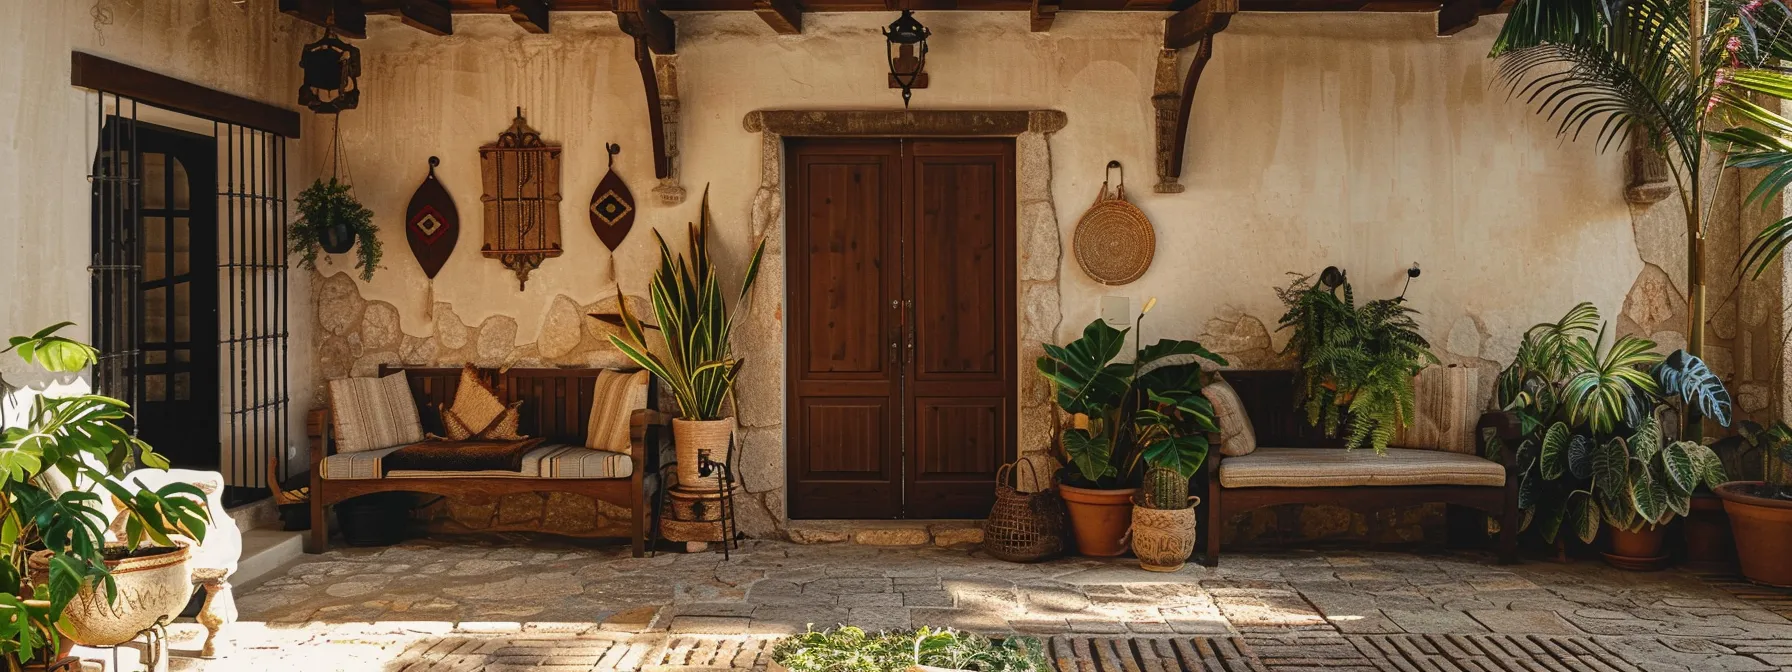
{"type": "Point", "coordinates": [1445, 410]}
{"type": "Point", "coordinates": [558, 461]}
{"type": "Point", "coordinates": [1336, 468]}
{"type": "Point", "coordinates": [1237, 437]}
{"type": "Point", "coordinates": [354, 466]}
{"type": "Point", "coordinates": [614, 398]}
{"type": "Point", "coordinates": [374, 413]}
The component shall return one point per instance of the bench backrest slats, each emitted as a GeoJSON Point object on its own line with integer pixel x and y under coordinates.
{"type": "Point", "coordinates": [556, 402]}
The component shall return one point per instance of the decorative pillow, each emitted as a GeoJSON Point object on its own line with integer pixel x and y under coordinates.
{"type": "Point", "coordinates": [476, 405]}
{"type": "Point", "coordinates": [614, 398]}
{"type": "Point", "coordinates": [374, 413]}
{"type": "Point", "coordinates": [505, 427]}
{"type": "Point", "coordinates": [1236, 435]}
{"type": "Point", "coordinates": [452, 427]}
{"type": "Point", "coordinates": [1444, 410]}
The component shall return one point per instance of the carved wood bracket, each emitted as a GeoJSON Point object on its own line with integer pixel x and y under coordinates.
{"type": "Point", "coordinates": [1172, 104]}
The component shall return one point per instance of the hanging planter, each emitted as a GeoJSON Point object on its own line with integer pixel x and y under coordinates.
{"type": "Point", "coordinates": [332, 221]}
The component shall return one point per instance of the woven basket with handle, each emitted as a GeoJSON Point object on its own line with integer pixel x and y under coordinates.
{"type": "Point", "coordinates": [1023, 526]}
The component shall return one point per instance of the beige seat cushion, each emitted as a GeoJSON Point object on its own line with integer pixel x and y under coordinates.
{"type": "Point", "coordinates": [546, 461]}
{"type": "Point", "coordinates": [1445, 410]}
{"type": "Point", "coordinates": [614, 398]}
{"type": "Point", "coordinates": [1237, 437]}
{"type": "Point", "coordinates": [1337, 468]}
{"type": "Point", "coordinates": [374, 413]}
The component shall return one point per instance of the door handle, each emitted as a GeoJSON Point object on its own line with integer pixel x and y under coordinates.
{"type": "Point", "coordinates": [910, 304]}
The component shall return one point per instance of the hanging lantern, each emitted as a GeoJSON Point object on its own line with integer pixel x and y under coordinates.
{"type": "Point", "coordinates": [907, 50]}
{"type": "Point", "coordinates": [332, 72]}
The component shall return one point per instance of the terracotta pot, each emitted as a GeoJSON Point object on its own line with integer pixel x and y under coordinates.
{"type": "Point", "coordinates": [150, 588]}
{"type": "Point", "coordinates": [1763, 531]}
{"type": "Point", "coordinates": [1642, 544]}
{"type": "Point", "coordinates": [693, 438]}
{"type": "Point", "coordinates": [1099, 519]}
{"type": "Point", "coordinates": [1706, 533]}
{"type": "Point", "coordinates": [1163, 538]}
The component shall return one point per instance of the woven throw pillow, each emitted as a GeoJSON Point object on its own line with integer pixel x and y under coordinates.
{"type": "Point", "coordinates": [614, 397]}
{"type": "Point", "coordinates": [1237, 437]}
{"type": "Point", "coordinates": [1445, 410]}
{"type": "Point", "coordinates": [505, 427]}
{"type": "Point", "coordinates": [452, 427]}
{"type": "Point", "coordinates": [475, 403]}
{"type": "Point", "coordinates": [373, 413]}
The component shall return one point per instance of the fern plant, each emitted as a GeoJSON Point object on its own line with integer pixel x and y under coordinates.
{"type": "Point", "coordinates": [1357, 362]}
{"type": "Point", "coordinates": [323, 206]}
{"type": "Point", "coordinates": [1595, 421]}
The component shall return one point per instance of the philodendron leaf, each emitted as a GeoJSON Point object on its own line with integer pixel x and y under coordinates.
{"type": "Point", "coordinates": [1677, 464]}
{"type": "Point", "coordinates": [1642, 494]}
{"type": "Point", "coordinates": [1554, 458]}
{"type": "Point", "coordinates": [1709, 465]}
{"type": "Point", "coordinates": [1610, 462]}
{"type": "Point", "coordinates": [1527, 491]}
{"type": "Point", "coordinates": [1587, 518]}
{"type": "Point", "coordinates": [1580, 456]}
{"type": "Point", "coordinates": [1687, 377]}
{"type": "Point", "coordinates": [65, 580]}
{"type": "Point", "coordinates": [1089, 453]}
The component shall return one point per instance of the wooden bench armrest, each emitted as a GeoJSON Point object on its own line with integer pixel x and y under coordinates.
{"type": "Point", "coordinates": [1505, 427]}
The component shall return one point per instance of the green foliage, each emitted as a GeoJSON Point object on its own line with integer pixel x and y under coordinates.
{"type": "Point", "coordinates": [324, 205]}
{"type": "Point", "coordinates": [694, 323]}
{"type": "Point", "coordinates": [80, 438]}
{"type": "Point", "coordinates": [1146, 411]}
{"type": "Point", "coordinates": [1592, 445]}
{"type": "Point", "coordinates": [1357, 363]}
{"type": "Point", "coordinates": [850, 649]}
{"type": "Point", "coordinates": [1773, 443]}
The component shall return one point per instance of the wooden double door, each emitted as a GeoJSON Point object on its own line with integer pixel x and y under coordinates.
{"type": "Point", "coordinates": [902, 371]}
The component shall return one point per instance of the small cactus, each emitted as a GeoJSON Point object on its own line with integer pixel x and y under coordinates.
{"type": "Point", "coordinates": [1165, 489]}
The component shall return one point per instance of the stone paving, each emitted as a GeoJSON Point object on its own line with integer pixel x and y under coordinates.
{"type": "Point", "coordinates": [438, 606]}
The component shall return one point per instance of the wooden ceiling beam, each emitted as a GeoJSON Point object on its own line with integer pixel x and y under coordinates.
{"type": "Point", "coordinates": [784, 16]}
{"type": "Point", "coordinates": [435, 17]}
{"type": "Point", "coordinates": [532, 15]}
{"type": "Point", "coordinates": [347, 17]}
{"type": "Point", "coordinates": [1199, 22]}
{"type": "Point", "coordinates": [1456, 16]}
{"type": "Point", "coordinates": [644, 20]}
{"type": "Point", "coordinates": [1044, 12]}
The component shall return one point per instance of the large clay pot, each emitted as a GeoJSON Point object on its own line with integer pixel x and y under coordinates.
{"type": "Point", "coordinates": [1099, 519]}
{"type": "Point", "coordinates": [150, 588]}
{"type": "Point", "coordinates": [694, 438]}
{"type": "Point", "coordinates": [1637, 551]}
{"type": "Point", "coordinates": [1763, 530]}
{"type": "Point", "coordinates": [1163, 538]}
{"type": "Point", "coordinates": [1706, 532]}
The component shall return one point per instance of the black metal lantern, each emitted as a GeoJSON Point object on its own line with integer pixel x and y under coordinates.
{"type": "Point", "coordinates": [907, 49]}
{"type": "Point", "coordinates": [332, 73]}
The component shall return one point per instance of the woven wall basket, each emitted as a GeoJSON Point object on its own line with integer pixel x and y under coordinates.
{"type": "Point", "coordinates": [1114, 241]}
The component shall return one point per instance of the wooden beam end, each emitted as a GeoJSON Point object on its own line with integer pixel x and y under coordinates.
{"type": "Point", "coordinates": [784, 16]}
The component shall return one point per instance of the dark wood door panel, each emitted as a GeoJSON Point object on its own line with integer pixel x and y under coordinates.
{"type": "Point", "coordinates": [844, 458]}
{"type": "Point", "coordinates": [958, 268]}
{"type": "Point", "coordinates": [846, 289]}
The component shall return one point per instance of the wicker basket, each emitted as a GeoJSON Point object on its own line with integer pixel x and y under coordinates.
{"type": "Point", "coordinates": [1023, 526]}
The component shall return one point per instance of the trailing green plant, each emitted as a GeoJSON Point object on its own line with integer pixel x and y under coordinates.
{"type": "Point", "coordinates": [694, 323]}
{"type": "Point", "coordinates": [1357, 362]}
{"type": "Point", "coordinates": [1128, 415]}
{"type": "Point", "coordinates": [850, 649]}
{"type": "Point", "coordinates": [1680, 77]}
{"type": "Point", "coordinates": [82, 439]}
{"type": "Point", "coordinates": [1774, 446]}
{"type": "Point", "coordinates": [1595, 421]}
{"type": "Point", "coordinates": [323, 205]}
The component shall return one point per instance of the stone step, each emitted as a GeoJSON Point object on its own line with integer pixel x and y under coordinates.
{"type": "Point", "coordinates": [945, 533]}
{"type": "Point", "coordinates": [265, 551]}
{"type": "Point", "coordinates": [256, 515]}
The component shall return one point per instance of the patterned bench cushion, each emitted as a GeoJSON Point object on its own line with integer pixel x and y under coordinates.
{"type": "Point", "coordinates": [1336, 468]}
{"type": "Point", "coordinates": [547, 461]}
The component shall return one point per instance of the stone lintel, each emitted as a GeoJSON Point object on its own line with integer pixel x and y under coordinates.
{"type": "Point", "coordinates": [893, 123]}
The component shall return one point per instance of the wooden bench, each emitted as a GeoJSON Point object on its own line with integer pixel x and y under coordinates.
{"type": "Point", "coordinates": [1269, 399]}
{"type": "Point", "coordinates": [556, 405]}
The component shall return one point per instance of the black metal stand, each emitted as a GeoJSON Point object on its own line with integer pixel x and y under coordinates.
{"type": "Point", "coordinates": [724, 475]}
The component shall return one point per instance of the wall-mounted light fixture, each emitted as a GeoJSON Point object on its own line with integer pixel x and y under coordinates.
{"type": "Point", "coordinates": [906, 46]}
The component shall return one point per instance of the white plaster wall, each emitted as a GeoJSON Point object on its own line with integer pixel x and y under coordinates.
{"type": "Point", "coordinates": [1361, 140]}
{"type": "Point", "coordinates": [48, 139]}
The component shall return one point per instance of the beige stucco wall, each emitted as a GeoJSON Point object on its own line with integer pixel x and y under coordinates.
{"type": "Point", "coordinates": [1360, 140]}
{"type": "Point", "coordinates": [48, 139]}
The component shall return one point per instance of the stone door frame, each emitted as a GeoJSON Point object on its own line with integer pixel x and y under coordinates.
{"type": "Point", "coordinates": [761, 335]}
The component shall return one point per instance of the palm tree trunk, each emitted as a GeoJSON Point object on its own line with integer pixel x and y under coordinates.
{"type": "Point", "coordinates": [1695, 216]}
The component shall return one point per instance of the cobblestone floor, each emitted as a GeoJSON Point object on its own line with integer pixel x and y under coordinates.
{"type": "Point", "coordinates": [436, 606]}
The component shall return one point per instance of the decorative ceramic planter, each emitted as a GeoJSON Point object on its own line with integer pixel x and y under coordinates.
{"type": "Point", "coordinates": [1710, 547]}
{"type": "Point", "coordinates": [1639, 551]}
{"type": "Point", "coordinates": [692, 438]}
{"type": "Point", "coordinates": [1763, 530]}
{"type": "Point", "coordinates": [150, 588]}
{"type": "Point", "coordinates": [1099, 519]}
{"type": "Point", "coordinates": [1163, 538]}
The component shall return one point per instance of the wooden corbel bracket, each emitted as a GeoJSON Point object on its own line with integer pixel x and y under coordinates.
{"type": "Point", "coordinates": [654, 33]}
{"type": "Point", "coordinates": [1194, 26]}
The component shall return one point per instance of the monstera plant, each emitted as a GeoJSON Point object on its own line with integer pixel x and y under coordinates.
{"type": "Point", "coordinates": [1125, 417]}
{"type": "Point", "coordinates": [1599, 420]}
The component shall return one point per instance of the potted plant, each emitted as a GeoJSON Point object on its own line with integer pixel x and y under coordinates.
{"type": "Point", "coordinates": [83, 582]}
{"type": "Point", "coordinates": [1600, 424]}
{"type": "Point", "coordinates": [1357, 362]}
{"type": "Point", "coordinates": [1761, 511]}
{"type": "Point", "coordinates": [1122, 412]}
{"type": "Point", "coordinates": [695, 326]}
{"type": "Point", "coordinates": [332, 220]}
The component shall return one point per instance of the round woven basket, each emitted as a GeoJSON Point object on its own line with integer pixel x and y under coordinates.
{"type": "Point", "coordinates": [1164, 538]}
{"type": "Point", "coordinates": [1023, 526]}
{"type": "Point", "coordinates": [1114, 242]}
